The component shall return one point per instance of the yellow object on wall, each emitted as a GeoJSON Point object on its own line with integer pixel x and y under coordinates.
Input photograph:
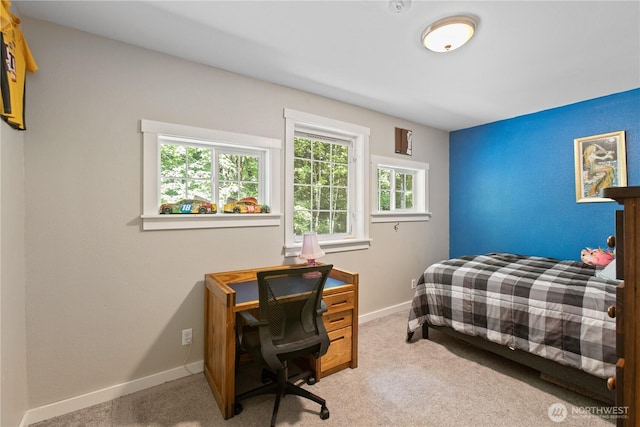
{"type": "Point", "coordinates": [16, 60]}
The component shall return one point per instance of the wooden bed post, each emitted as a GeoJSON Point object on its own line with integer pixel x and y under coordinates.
{"type": "Point", "coordinates": [627, 379]}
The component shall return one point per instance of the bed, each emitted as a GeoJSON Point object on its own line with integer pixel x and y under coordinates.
{"type": "Point", "coordinates": [546, 313]}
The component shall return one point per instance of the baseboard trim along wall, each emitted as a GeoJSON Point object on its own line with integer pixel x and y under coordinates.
{"type": "Point", "coordinates": [104, 395]}
{"type": "Point", "coordinates": [405, 306]}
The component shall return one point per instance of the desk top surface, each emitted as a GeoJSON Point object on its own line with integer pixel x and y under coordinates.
{"type": "Point", "coordinates": [248, 291]}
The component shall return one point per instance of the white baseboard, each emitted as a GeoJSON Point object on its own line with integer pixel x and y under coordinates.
{"type": "Point", "coordinates": [23, 422]}
{"type": "Point", "coordinates": [104, 395]}
{"type": "Point", "coordinates": [405, 306]}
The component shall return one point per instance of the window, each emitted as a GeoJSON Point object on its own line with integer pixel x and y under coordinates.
{"type": "Point", "coordinates": [326, 184]}
{"type": "Point", "coordinates": [400, 189]}
{"type": "Point", "coordinates": [200, 170]}
{"type": "Point", "coordinates": [320, 185]}
{"type": "Point", "coordinates": [395, 189]}
{"type": "Point", "coordinates": [187, 172]}
{"type": "Point", "coordinates": [239, 176]}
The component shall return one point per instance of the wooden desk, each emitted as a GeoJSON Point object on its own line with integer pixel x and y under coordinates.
{"type": "Point", "coordinates": [222, 302]}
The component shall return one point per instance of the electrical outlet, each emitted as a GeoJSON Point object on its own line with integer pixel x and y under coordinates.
{"type": "Point", "coordinates": [413, 283]}
{"type": "Point", "coordinates": [186, 336]}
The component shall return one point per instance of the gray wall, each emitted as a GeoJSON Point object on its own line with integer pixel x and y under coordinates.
{"type": "Point", "coordinates": [13, 330]}
{"type": "Point", "coordinates": [105, 302]}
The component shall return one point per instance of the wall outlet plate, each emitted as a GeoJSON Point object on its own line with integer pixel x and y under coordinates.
{"type": "Point", "coordinates": [187, 336]}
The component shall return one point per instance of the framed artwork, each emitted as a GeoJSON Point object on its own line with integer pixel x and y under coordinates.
{"type": "Point", "coordinates": [600, 162]}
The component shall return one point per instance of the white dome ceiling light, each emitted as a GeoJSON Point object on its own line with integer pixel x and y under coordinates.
{"type": "Point", "coordinates": [448, 34]}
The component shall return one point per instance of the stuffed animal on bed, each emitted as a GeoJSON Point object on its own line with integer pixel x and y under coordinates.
{"type": "Point", "coordinates": [599, 257]}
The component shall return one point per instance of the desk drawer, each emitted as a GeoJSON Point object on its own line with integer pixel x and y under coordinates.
{"type": "Point", "coordinates": [337, 320]}
{"type": "Point", "coordinates": [339, 302]}
{"type": "Point", "coordinates": [339, 351]}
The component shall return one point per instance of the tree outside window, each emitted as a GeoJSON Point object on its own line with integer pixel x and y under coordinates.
{"type": "Point", "coordinates": [384, 189]}
{"type": "Point", "coordinates": [401, 182]}
{"type": "Point", "coordinates": [187, 172]}
{"type": "Point", "coordinates": [238, 177]}
{"type": "Point", "coordinates": [404, 190]}
{"type": "Point", "coordinates": [320, 185]}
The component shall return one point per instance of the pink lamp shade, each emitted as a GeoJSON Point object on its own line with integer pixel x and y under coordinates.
{"type": "Point", "coordinates": [311, 249]}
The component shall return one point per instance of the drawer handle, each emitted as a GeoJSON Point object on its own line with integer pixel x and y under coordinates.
{"type": "Point", "coordinates": [337, 339]}
{"type": "Point", "coordinates": [611, 383]}
{"type": "Point", "coordinates": [612, 311]}
{"type": "Point", "coordinates": [337, 320]}
{"type": "Point", "coordinates": [339, 303]}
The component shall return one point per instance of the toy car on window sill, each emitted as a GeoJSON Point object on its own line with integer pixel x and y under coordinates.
{"type": "Point", "coordinates": [245, 205]}
{"type": "Point", "coordinates": [189, 206]}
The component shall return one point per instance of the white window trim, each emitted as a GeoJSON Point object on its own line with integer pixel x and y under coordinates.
{"type": "Point", "coordinates": [297, 120]}
{"type": "Point", "coordinates": [152, 220]}
{"type": "Point", "coordinates": [420, 211]}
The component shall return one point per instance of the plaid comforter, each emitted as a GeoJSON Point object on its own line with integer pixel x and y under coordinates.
{"type": "Point", "coordinates": [554, 309]}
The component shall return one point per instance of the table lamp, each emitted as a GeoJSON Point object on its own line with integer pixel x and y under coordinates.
{"type": "Point", "coordinates": [311, 249]}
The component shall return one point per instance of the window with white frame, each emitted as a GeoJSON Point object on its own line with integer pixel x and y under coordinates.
{"type": "Point", "coordinates": [320, 185]}
{"type": "Point", "coordinates": [326, 184]}
{"type": "Point", "coordinates": [195, 172]}
{"type": "Point", "coordinates": [395, 189]}
{"type": "Point", "coordinates": [400, 190]}
{"type": "Point", "coordinates": [208, 171]}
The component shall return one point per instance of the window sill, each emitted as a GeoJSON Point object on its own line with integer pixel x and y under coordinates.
{"type": "Point", "coordinates": [187, 221]}
{"type": "Point", "coordinates": [400, 217]}
{"type": "Point", "coordinates": [331, 246]}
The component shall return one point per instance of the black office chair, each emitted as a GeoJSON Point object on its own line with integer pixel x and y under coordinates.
{"type": "Point", "coordinates": [289, 327]}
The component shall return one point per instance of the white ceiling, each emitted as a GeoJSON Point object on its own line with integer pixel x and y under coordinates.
{"type": "Point", "coordinates": [526, 56]}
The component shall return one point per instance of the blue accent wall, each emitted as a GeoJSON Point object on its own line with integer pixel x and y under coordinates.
{"type": "Point", "coordinates": [512, 182]}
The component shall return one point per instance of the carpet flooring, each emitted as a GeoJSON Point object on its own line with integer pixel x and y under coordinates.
{"type": "Point", "coordinates": [437, 382]}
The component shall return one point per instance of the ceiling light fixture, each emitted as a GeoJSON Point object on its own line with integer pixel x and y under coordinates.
{"type": "Point", "coordinates": [448, 34]}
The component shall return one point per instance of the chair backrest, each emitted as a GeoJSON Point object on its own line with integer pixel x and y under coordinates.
{"type": "Point", "coordinates": [290, 310]}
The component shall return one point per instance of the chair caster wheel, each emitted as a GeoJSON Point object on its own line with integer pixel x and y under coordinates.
{"type": "Point", "coordinates": [311, 380]}
{"type": "Point", "coordinates": [237, 409]}
{"type": "Point", "coordinates": [324, 413]}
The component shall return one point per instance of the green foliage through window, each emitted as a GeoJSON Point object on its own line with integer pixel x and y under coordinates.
{"type": "Point", "coordinates": [395, 189]}
{"type": "Point", "coordinates": [321, 182]}
{"type": "Point", "coordinates": [238, 177]}
{"type": "Point", "coordinates": [187, 172]}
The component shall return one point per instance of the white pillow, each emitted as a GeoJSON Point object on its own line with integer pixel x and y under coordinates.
{"type": "Point", "coordinates": [609, 272]}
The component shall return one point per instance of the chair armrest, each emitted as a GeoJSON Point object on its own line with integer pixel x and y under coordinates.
{"type": "Point", "coordinates": [250, 319]}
